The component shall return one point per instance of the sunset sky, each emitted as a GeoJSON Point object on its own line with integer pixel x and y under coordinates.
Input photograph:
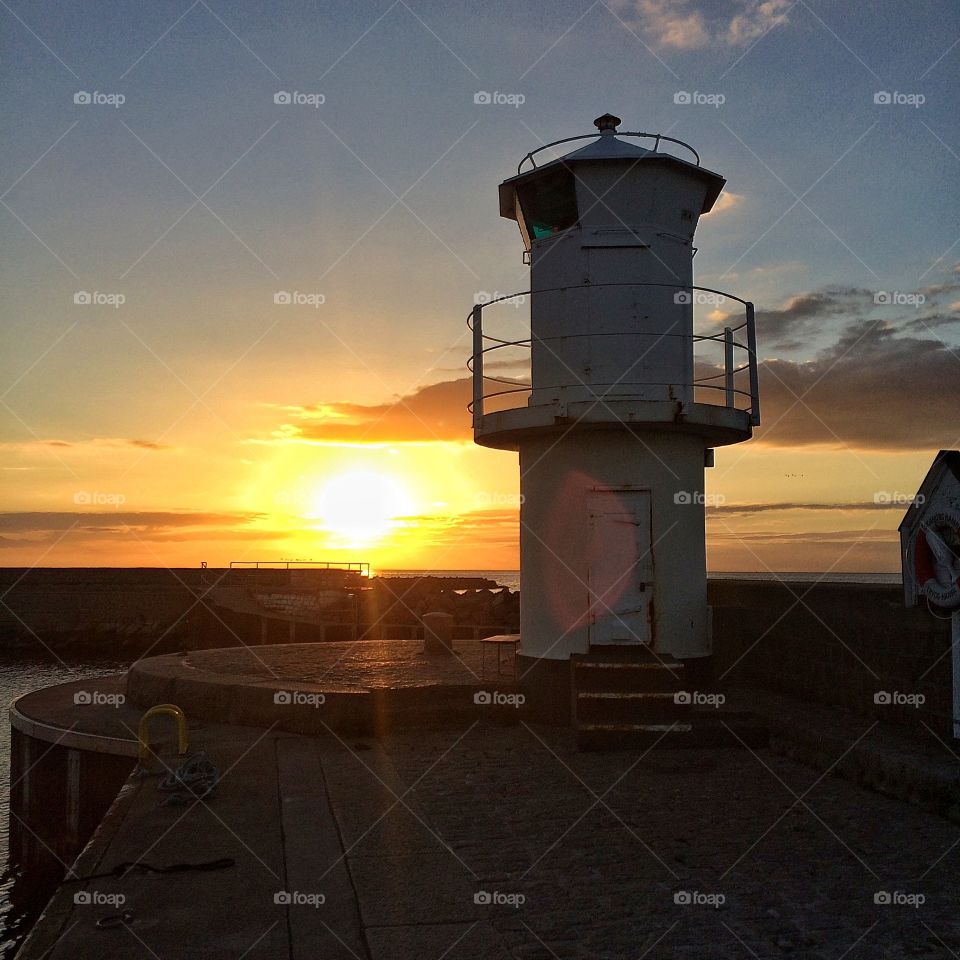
{"type": "Point", "coordinates": [198, 420]}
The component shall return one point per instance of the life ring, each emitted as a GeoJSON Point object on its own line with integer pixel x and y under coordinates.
{"type": "Point", "coordinates": [936, 558]}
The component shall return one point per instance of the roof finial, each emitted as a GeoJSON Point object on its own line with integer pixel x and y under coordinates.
{"type": "Point", "coordinates": [608, 123]}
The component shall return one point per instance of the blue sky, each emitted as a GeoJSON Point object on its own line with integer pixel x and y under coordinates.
{"type": "Point", "coordinates": [383, 198]}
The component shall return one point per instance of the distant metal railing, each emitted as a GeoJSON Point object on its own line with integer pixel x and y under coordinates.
{"type": "Point", "coordinates": [656, 137]}
{"type": "Point", "coordinates": [362, 568]}
{"type": "Point", "coordinates": [484, 343]}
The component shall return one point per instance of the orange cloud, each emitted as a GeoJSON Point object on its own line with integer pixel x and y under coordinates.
{"type": "Point", "coordinates": [437, 412]}
{"type": "Point", "coordinates": [39, 526]}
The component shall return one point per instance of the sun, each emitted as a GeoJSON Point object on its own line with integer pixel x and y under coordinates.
{"type": "Point", "coordinates": [361, 506]}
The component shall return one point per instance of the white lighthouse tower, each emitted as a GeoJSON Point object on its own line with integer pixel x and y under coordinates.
{"type": "Point", "coordinates": [627, 398]}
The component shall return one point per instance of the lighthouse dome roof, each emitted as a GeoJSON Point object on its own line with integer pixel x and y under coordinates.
{"type": "Point", "coordinates": [607, 147]}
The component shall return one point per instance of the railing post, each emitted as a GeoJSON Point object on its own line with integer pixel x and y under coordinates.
{"type": "Point", "coordinates": [728, 365]}
{"type": "Point", "coordinates": [754, 381]}
{"type": "Point", "coordinates": [477, 366]}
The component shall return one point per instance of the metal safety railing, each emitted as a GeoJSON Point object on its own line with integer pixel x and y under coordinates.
{"type": "Point", "coordinates": [362, 568]}
{"type": "Point", "coordinates": [739, 343]}
{"type": "Point", "coordinates": [658, 138]}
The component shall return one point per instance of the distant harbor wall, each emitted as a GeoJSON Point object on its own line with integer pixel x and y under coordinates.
{"type": "Point", "coordinates": [115, 611]}
{"type": "Point", "coordinates": [128, 612]}
{"type": "Point", "coordinates": [837, 643]}
{"type": "Point", "coordinates": [847, 644]}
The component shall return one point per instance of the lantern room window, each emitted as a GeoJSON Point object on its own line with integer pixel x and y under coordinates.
{"type": "Point", "coordinates": [548, 203]}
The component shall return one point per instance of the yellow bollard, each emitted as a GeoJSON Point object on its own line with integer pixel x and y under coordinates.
{"type": "Point", "coordinates": [162, 709]}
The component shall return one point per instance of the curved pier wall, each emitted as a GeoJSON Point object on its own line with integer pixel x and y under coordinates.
{"type": "Point", "coordinates": [845, 644]}
{"type": "Point", "coordinates": [58, 796]}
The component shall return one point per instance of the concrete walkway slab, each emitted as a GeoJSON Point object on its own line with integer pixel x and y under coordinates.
{"type": "Point", "coordinates": [461, 941]}
{"type": "Point", "coordinates": [378, 813]}
{"type": "Point", "coordinates": [322, 913]}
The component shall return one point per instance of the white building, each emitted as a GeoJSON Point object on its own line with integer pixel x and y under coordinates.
{"type": "Point", "coordinates": [627, 396]}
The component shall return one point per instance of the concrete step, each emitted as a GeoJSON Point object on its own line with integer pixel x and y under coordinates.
{"type": "Point", "coordinates": [623, 651]}
{"type": "Point", "coordinates": [698, 730]}
{"type": "Point", "coordinates": [635, 652]}
{"type": "Point", "coordinates": [631, 706]}
{"type": "Point", "coordinates": [618, 675]}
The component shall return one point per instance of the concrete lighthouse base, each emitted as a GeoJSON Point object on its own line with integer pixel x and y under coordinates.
{"type": "Point", "coordinates": [612, 542]}
{"type": "Point", "coordinates": [546, 687]}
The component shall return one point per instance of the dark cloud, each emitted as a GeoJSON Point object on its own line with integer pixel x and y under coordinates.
{"type": "Point", "coordinates": [109, 442]}
{"type": "Point", "coordinates": [850, 537]}
{"type": "Point", "coordinates": [871, 390]}
{"type": "Point", "coordinates": [937, 291]}
{"type": "Point", "coordinates": [147, 444]}
{"type": "Point", "coordinates": [519, 364]}
{"type": "Point", "coordinates": [931, 322]}
{"type": "Point", "coordinates": [731, 509]}
{"type": "Point", "coordinates": [56, 521]}
{"type": "Point", "coordinates": [805, 315]}
{"type": "Point", "coordinates": [37, 528]}
{"type": "Point", "coordinates": [494, 527]}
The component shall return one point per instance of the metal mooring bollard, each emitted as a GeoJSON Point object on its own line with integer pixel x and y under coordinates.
{"type": "Point", "coordinates": [438, 633]}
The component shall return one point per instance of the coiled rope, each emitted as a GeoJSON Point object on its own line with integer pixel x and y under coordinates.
{"type": "Point", "coordinates": [196, 777]}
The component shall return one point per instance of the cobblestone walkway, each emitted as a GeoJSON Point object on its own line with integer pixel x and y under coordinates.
{"type": "Point", "coordinates": [366, 665]}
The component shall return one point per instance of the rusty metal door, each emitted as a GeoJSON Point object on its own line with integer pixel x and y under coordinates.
{"type": "Point", "coordinates": [620, 566]}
